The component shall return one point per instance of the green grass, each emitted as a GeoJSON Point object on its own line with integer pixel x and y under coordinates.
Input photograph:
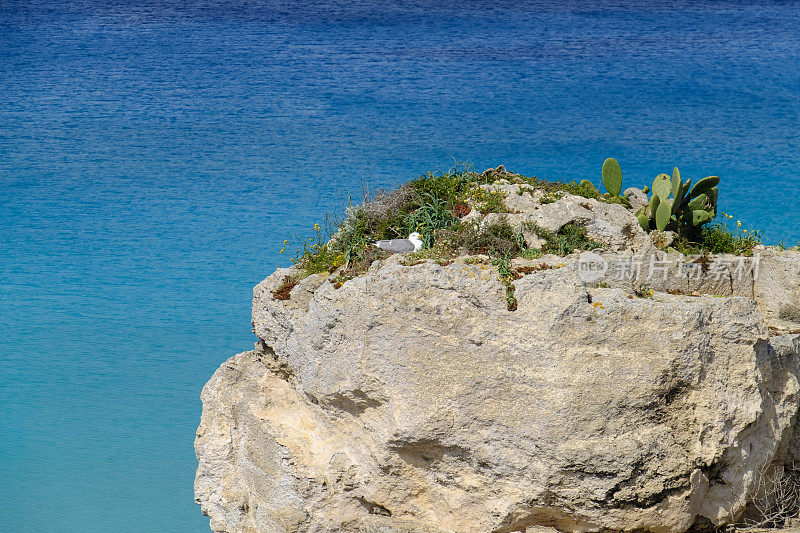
{"type": "Point", "coordinates": [531, 253]}
{"type": "Point", "coordinates": [718, 238]}
{"type": "Point", "coordinates": [569, 238]}
{"type": "Point", "coordinates": [583, 188]}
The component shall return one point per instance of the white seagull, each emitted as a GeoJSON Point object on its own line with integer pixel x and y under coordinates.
{"type": "Point", "coordinates": [412, 244]}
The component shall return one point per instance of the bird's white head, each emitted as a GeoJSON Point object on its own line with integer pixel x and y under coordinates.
{"type": "Point", "coordinates": [416, 238]}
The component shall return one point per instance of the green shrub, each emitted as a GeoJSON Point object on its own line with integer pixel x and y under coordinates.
{"type": "Point", "coordinates": [718, 238]}
{"type": "Point", "coordinates": [569, 238]}
{"type": "Point", "coordinates": [316, 255]}
{"type": "Point", "coordinates": [498, 239]}
{"type": "Point", "coordinates": [434, 214]}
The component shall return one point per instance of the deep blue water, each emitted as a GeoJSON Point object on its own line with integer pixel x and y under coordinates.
{"type": "Point", "coordinates": [153, 159]}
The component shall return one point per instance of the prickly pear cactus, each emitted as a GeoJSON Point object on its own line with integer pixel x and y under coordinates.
{"type": "Point", "coordinates": [704, 185]}
{"type": "Point", "coordinates": [662, 186]}
{"type": "Point", "coordinates": [673, 204]}
{"type": "Point", "coordinates": [612, 176]}
{"type": "Point", "coordinates": [663, 214]}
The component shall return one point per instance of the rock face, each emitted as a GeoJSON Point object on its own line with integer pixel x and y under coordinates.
{"type": "Point", "coordinates": [412, 399]}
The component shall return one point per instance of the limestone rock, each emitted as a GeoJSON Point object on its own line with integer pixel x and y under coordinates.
{"type": "Point", "coordinates": [636, 197]}
{"type": "Point", "coordinates": [417, 402]}
{"type": "Point", "coordinates": [614, 225]}
{"type": "Point", "coordinates": [777, 285]}
{"type": "Point", "coordinates": [630, 390]}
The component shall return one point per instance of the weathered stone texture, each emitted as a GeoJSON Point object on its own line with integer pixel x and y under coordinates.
{"type": "Point", "coordinates": [412, 399]}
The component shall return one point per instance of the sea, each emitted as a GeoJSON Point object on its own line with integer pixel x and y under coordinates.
{"type": "Point", "coordinates": [154, 155]}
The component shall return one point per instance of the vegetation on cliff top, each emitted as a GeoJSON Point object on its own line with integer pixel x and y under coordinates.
{"type": "Point", "coordinates": [435, 205]}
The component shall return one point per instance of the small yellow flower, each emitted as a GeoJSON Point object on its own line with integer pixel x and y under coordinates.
{"type": "Point", "coordinates": [282, 250]}
{"type": "Point", "coordinates": [316, 227]}
{"type": "Point", "coordinates": [285, 242]}
{"type": "Point", "coordinates": [738, 223]}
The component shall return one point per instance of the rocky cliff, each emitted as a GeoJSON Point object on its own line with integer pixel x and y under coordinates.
{"type": "Point", "coordinates": [411, 398]}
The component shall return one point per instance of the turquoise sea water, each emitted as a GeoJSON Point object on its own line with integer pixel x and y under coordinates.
{"type": "Point", "coordinates": [153, 159]}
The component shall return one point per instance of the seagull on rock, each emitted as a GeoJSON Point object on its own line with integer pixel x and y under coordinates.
{"type": "Point", "coordinates": [412, 244]}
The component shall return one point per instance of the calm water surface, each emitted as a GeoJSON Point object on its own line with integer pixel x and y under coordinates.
{"type": "Point", "coordinates": [153, 159]}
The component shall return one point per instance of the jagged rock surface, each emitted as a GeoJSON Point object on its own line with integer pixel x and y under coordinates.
{"type": "Point", "coordinates": [412, 399]}
{"type": "Point", "coordinates": [611, 224]}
